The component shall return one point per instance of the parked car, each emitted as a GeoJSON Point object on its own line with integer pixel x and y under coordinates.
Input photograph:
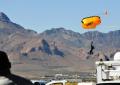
{"type": "Point", "coordinates": [38, 82]}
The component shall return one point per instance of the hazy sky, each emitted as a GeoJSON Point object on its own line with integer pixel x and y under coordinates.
{"type": "Point", "coordinates": [40, 15]}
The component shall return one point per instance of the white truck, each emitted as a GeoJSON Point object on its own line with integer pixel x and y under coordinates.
{"type": "Point", "coordinates": [108, 72]}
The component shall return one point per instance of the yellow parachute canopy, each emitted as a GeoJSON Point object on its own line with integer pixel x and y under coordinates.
{"type": "Point", "coordinates": [90, 22]}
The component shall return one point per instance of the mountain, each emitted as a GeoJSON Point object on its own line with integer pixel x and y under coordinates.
{"type": "Point", "coordinates": [7, 27]}
{"type": "Point", "coordinates": [54, 51]}
{"type": "Point", "coordinates": [4, 18]}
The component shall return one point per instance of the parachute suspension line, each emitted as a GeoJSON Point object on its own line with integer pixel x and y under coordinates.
{"type": "Point", "coordinates": [92, 47]}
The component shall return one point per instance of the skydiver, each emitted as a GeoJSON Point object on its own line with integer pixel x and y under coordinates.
{"type": "Point", "coordinates": [91, 49]}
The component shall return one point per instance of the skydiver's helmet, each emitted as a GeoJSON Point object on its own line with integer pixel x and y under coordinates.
{"type": "Point", "coordinates": [4, 61]}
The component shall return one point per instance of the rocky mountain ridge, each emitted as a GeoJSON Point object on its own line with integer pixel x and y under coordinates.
{"type": "Point", "coordinates": [55, 50]}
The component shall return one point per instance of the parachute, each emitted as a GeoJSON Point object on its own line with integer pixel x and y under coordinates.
{"type": "Point", "coordinates": [90, 22]}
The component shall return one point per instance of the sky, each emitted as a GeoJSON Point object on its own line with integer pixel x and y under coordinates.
{"type": "Point", "coordinates": [41, 15]}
